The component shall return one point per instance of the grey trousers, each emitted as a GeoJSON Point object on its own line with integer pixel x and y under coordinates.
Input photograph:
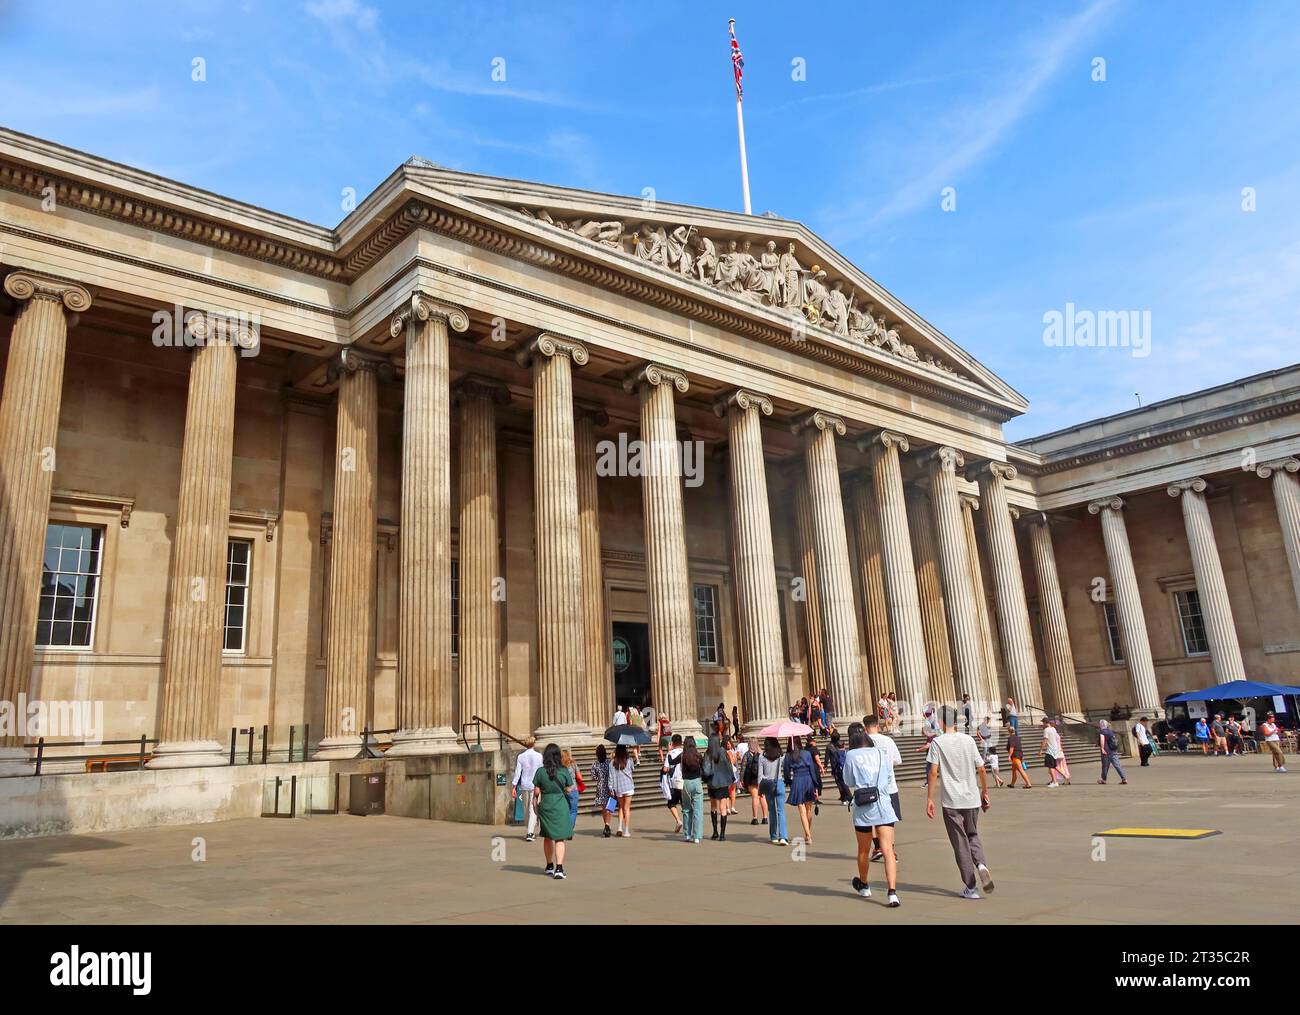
{"type": "Point", "coordinates": [965, 838]}
{"type": "Point", "coordinates": [1107, 760]}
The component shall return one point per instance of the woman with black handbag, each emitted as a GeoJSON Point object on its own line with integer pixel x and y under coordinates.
{"type": "Point", "coordinates": [867, 773]}
{"type": "Point", "coordinates": [721, 778]}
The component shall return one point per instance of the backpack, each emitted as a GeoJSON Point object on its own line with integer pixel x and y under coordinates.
{"type": "Point", "coordinates": [1108, 735]}
{"type": "Point", "coordinates": [750, 776]}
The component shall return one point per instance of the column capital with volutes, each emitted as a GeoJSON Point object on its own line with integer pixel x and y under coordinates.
{"type": "Point", "coordinates": [1195, 485]}
{"type": "Point", "coordinates": [743, 399]}
{"type": "Point", "coordinates": [655, 374]}
{"type": "Point", "coordinates": [821, 421]}
{"type": "Point", "coordinates": [1266, 469]}
{"type": "Point", "coordinates": [420, 307]}
{"type": "Point", "coordinates": [1095, 507]}
{"type": "Point", "coordinates": [23, 284]}
{"type": "Point", "coordinates": [884, 439]}
{"type": "Point", "coordinates": [550, 345]}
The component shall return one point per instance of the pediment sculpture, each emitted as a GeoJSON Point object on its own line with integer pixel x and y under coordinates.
{"type": "Point", "coordinates": [768, 276]}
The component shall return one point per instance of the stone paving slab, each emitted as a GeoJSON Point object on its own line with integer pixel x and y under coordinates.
{"type": "Point", "coordinates": [387, 870]}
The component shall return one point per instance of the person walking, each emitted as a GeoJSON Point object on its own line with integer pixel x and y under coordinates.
{"type": "Point", "coordinates": [692, 768]}
{"type": "Point", "coordinates": [1051, 748]}
{"type": "Point", "coordinates": [551, 785]}
{"type": "Point", "coordinates": [573, 792]}
{"type": "Point", "coordinates": [1202, 735]}
{"type": "Point", "coordinates": [1013, 715]}
{"type": "Point", "coordinates": [885, 742]}
{"type": "Point", "coordinates": [1062, 762]}
{"type": "Point", "coordinates": [751, 780]}
{"type": "Point", "coordinates": [720, 719]}
{"type": "Point", "coordinates": [720, 777]}
{"type": "Point", "coordinates": [869, 772]}
{"type": "Point", "coordinates": [1272, 740]}
{"type": "Point", "coordinates": [734, 755]}
{"type": "Point", "coordinates": [1235, 743]}
{"type": "Point", "coordinates": [637, 721]}
{"type": "Point", "coordinates": [991, 763]}
{"type": "Point", "coordinates": [967, 710]}
{"type": "Point", "coordinates": [884, 709]}
{"type": "Point", "coordinates": [931, 729]}
{"type": "Point", "coordinates": [834, 761]}
{"type": "Point", "coordinates": [600, 780]}
{"type": "Point", "coordinates": [526, 766]}
{"type": "Point", "coordinates": [1220, 735]}
{"type": "Point", "coordinates": [800, 775]}
{"type": "Point", "coordinates": [985, 733]}
{"type": "Point", "coordinates": [620, 717]}
{"type": "Point", "coordinates": [623, 788]}
{"type": "Point", "coordinates": [1109, 744]}
{"type": "Point", "coordinates": [1143, 738]}
{"type": "Point", "coordinates": [772, 785]}
{"type": "Point", "coordinates": [1016, 758]}
{"type": "Point", "coordinates": [828, 711]}
{"type": "Point", "coordinates": [670, 782]}
{"type": "Point", "coordinates": [955, 766]}
{"type": "Point", "coordinates": [665, 735]}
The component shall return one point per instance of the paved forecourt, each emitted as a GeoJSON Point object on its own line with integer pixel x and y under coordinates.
{"type": "Point", "coordinates": [1040, 844]}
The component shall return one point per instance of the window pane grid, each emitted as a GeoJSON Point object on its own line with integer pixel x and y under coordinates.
{"type": "Point", "coordinates": [1112, 633]}
{"type": "Point", "coordinates": [706, 627]}
{"type": "Point", "coordinates": [455, 607]}
{"type": "Point", "coordinates": [1192, 623]}
{"type": "Point", "coordinates": [69, 587]}
{"type": "Point", "coordinates": [239, 553]}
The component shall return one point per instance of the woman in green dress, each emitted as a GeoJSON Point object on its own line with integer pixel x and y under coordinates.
{"type": "Point", "coordinates": [550, 795]}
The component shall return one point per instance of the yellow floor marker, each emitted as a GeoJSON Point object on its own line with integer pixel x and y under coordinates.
{"type": "Point", "coordinates": [1160, 833]}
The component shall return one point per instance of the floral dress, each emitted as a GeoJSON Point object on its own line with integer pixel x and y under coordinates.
{"type": "Point", "coordinates": [600, 778]}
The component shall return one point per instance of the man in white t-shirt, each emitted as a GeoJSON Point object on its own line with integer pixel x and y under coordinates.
{"type": "Point", "coordinates": [1272, 739]}
{"type": "Point", "coordinates": [620, 717]}
{"type": "Point", "coordinates": [1143, 740]}
{"type": "Point", "coordinates": [885, 743]}
{"type": "Point", "coordinates": [955, 765]}
{"type": "Point", "coordinates": [526, 767]}
{"type": "Point", "coordinates": [1052, 752]}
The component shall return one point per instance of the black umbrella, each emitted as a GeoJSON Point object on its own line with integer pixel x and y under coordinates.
{"type": "Point", "coordinates": [628, 735]}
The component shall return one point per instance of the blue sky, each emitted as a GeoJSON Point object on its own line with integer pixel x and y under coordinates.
{"type": "Point", "coordinates": [1122, 194]}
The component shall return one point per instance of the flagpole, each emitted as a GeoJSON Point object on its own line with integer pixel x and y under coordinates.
{"type": "Point", "coordinates": [744, 162]}
{"type": "Point", "coordinates": [740, 116]}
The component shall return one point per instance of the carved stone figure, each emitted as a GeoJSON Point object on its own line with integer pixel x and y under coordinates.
{"type": "Point", "coordinates": [791, 279]}
{"type": "Point", "coordinates": [770, 263]}
{"type": "Point", "coordinates": [680, 255]}
{"type": "Point", "coordinates": [751, 275]}
{"type": "Point", "coordinates": [835, 308]}
{"type": "Point", "coordinates": [652, 244]}
{"type": "Point", "coordinates": [728, 274]}
{"type": "Point", "coordinates": [706, 259]}
{"type": "Point", "coordinates": [814, 295]}
{"type": "Point", "coordinates": [609, 233]}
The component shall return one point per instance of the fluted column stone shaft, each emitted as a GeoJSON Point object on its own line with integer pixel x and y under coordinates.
{"type": "Point", "coordinates": [989, 689]}
{"type": "Point", "coordinates": [929, 587]}
{"type": "Point", "coordinates": [762, 667]}
{"type": "Point", "coordinates": [29, 427]}
{"type": "Point", "coordinates": [668, 577]}
{"type": "Point", "coordinates": [561, 649]}
{"type": "Point", "coordinates": [1056, 632]}
{"type": "Point", "coordinates": [875, 601]}
{"type": "Point", "coordinates": [479, 642]}
{"type": "Point", "coordinates": [959, 595]}
{"type": "Point", "coordinates": [350, 636]}
{"type": "Point", "coordinates": [911, 668]}
{"type": "Point", "coordinates": [815, 676]}
{"type": "Point", "coordinates": [1286, 495]}
{"type": "Point", "coordinates": [845, 679]}
{"type": "Point", "coordinates": [191, 680]}
{"type": "Point", "coordinates": [1009, 585]}
{"type": "Point", "coordinates": [1211, 587]}
{"type": "Point", "coordinates": [1128, 602]}
{"type": "Point", "coordinates": [600, 671]}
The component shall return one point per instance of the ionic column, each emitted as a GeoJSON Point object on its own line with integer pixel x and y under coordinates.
{"type": "Point", "coordinates": [1286, 495]}
{"type": "Point", "coordinates": [812, 613]}
{"type": "Point", "coordinates": [600, 672]}
{"type": "Point", "coordinates": [479, 661]}
{"type": "Point", "coordinates": [905, 629]}
{"type": "Point", "coordinates": [191, 681]}
{"type": "Point", "coordinates": [561, 649]}
{"type": "Point", "coordinates": [762, 668]}
{"type": "Point", "coordinates": [29, 428]}
{"type": "Point", "coordinates": [350, 638]}
{"type": "Point", "coordinates": [668, 579]}
{"type": "Point", "coordinates": [1128, 602]}
{"type": "Point", "coordinates": [1056, 633]}
{"type": "Point", "coordinates": [959, 595]}
{"type": "Point", "coordinates": [929, 587]}
{"type": "Point", "coordinates": [989, 687]}
{"type": "Point", "coordinates": [424, 673]}
{"type": "Point", "coordinates": [845, 680]}
{"type": "Point", "coordinates": [875, 601]}
{"type": "Point", "coordinates": [1008, 584]}
{"type": "Point", "coordinates": [1212, 589]}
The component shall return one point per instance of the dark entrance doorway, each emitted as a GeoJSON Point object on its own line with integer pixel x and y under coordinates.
{"type": "Point", "coordinates": [631, 654]}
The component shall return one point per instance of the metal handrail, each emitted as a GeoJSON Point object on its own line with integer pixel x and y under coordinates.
{"type": "Point", "coordinates": [492, 726]}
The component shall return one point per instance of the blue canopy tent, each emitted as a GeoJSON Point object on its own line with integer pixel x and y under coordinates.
{"type": "Point", "coordinates": [1235, 690]}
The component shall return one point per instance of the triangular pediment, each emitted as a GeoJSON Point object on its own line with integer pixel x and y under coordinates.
{"type": "Point", "coordinates": [768, 266]}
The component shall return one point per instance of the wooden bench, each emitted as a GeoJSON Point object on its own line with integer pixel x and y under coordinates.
{"type": "Point", "coordinates": [101, 763]}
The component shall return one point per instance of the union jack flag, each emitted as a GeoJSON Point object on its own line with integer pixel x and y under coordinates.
{"type": "Point", "coordinates": [737, 61]}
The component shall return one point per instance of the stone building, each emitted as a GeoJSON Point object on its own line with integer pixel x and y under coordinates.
{"type": "Point", "coordinates": [387, 475]}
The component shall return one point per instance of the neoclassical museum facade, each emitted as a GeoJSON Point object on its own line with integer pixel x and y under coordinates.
{"type": "Point", "coordinates": [497, 449]}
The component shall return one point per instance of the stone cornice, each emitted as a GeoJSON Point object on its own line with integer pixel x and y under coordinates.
{"type": "Point", "coordinates": [31, 285]}
{"type": "Point", "coordinates": [548, 344]}
{"type": "Point", "coordinates": [654, 374]}
{"type": "Point", "coordinates": [819, 420]}
{"type": "Point", "coordinates": [743, 400]}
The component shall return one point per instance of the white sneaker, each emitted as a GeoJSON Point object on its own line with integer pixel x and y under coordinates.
{"type": "Point", "coordinates": [1282, 769]}
{"type": "Point", "coordinates": [862, 888]}
{"type": "Point", "coordinates": [986, 879]}
{"type": "Point", "coordinates": [1051, 785]}
{"type": "Point", "coordinates": [892, 900]}
{"type": "Point", "coordinates": [970, 893]}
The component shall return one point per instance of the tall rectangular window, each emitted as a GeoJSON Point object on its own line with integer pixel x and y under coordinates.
{"type": "Point", "coordinates": [1112, 633]}
{"type": "Point", "coordinates": [69, 586]}
{"type": "Point", "coordinates": [1191, 622]}
{"type": "Point", "coordinates": [706, 624]}
{"type": "Point", "coordinates": [455, 607]}
{"type": "Point", "coordinates": [239, 558]}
